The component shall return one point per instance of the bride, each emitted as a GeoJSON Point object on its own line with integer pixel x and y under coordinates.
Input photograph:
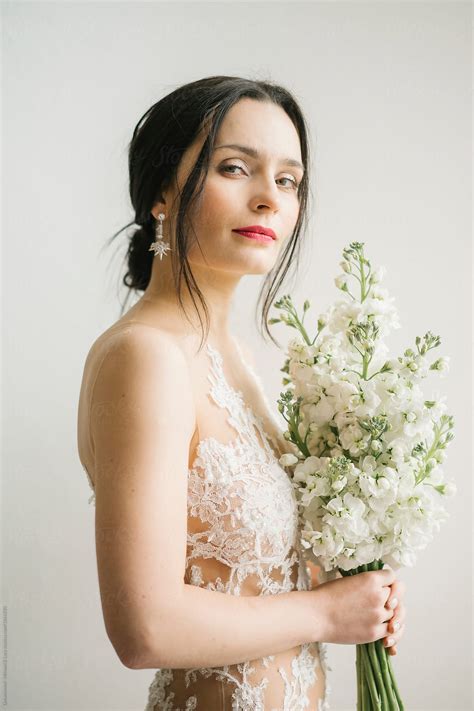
{"type": "Point", "coordinates": [200, 569]}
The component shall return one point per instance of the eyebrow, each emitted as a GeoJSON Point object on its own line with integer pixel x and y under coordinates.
{"type": "Point", "coordinates": [255, 154]}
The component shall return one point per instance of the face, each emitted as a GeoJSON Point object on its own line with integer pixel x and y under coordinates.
{"type": "Point", "coordinates": [244, 190]}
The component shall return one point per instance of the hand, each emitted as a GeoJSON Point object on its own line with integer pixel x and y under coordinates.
{"type": "Point", "coordinates": [396, 594]}
{"type": "Point", "coordinates": [352, 609]}
{"type": "Point", "coordinates": [397, 591]}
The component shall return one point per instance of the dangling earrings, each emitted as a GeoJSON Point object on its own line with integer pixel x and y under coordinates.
{"type": "Point", "coordinates": [160, 247]}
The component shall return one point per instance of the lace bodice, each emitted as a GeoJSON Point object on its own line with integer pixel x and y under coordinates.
{"type": "Point", "coordinates": [247, 501]}
{"type": "Point", "coordinates": [243, 539]}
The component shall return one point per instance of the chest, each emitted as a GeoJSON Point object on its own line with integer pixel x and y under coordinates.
{"type": "Point", "coordinates": [238, 494]}
{"type": "Point", "coordinates": [232, 406]}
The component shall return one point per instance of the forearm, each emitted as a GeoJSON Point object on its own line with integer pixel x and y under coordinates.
{"type": "Point", "coordinates": [206, 628]}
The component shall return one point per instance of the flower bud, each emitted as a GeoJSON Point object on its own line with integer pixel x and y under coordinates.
{"type": "Point", "coordinates": [377, 275]}
{"type": "Point", "coordinates": [301, 429]}
{"type": "Point", "coordinates": [287, 459]}
{"type": "Point", "coordinates": [341, 282]}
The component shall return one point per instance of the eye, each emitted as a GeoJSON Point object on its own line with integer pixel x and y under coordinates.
{"type": "Point", "coordinates": [293, 181]}
{"type": "Point", "coordinates": [225, 168]}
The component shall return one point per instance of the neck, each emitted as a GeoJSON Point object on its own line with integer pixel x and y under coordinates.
{"type": "Point", "coordinates": [217, 288]}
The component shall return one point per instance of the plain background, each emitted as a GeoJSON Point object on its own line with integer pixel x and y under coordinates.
{"type": "Point", "coordinates": [385, 87]}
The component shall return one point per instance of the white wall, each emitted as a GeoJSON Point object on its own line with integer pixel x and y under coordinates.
{"type": "Point", "coordinates": [385, 87]}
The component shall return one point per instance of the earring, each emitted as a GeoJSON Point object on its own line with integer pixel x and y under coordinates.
{"type": "Point", "coordinates": [160, 247]}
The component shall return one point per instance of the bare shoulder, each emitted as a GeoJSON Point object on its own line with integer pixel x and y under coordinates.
{"type": "Point", "coordinates": [142, 366]}
{"type": "Point", "coordinates": [139, 341]}
{"type": "Point", "coordinates": [128, 332]}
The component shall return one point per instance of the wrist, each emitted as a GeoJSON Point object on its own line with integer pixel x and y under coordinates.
{"type": "Point", "coordinates": [320, 613]}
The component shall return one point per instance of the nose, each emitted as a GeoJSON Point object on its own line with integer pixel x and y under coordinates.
{"type": "Point", "coordinates": [266, 195]}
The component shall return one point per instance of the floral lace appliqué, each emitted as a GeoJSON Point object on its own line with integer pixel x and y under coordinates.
{"type": "Point", "coordinates": [248, 535]}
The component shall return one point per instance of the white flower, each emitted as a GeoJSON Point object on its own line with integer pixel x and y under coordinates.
{"type": "Point", "coordinates": [371, 487]}
{"type": "Point", "coordinates": [378, 274]}
{"type": "Point", "coordinates": [287, 459]}
{"type": "Point", "coordinates": [340, 281]}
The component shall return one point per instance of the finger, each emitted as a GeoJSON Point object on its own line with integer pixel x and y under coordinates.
{"type": "Point", "coordinates": [395, 595]}
{"type": "Point", "coordinates": [392, 650]}
{"type": "Point", "coordinates": [398, 619]}
{"type": "Point", "coordinates": [388, 615]}
{"type": "Point", "coordinates": [397, 588]}
{"type": "Point", "coordinates": [393, 638]}
{"type": "Point", "coordinates": [394, 627]}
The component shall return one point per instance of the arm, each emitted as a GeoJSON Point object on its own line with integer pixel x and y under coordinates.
{"type": "Point", "coordinates": [204, 628]}
{"type": "Point", "coordinates": [142, 423]}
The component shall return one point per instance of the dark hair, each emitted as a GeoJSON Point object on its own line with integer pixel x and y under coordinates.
{"type": "Point", "coordinates": [159, 140]}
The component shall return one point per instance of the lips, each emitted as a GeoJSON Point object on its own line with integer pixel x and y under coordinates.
{"type": "Point", "coordinates": [256, 229]}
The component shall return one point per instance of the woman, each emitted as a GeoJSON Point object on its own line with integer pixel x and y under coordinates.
{"type": "Point", "coordinates": [200, 569]}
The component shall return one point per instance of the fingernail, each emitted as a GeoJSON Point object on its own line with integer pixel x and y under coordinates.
{"type": "Point", "coordinates": [393, 602]}
{"type": "Point", "coordinates": [390, 641]}
{"type": "Point", "coordinates": [396, 626]}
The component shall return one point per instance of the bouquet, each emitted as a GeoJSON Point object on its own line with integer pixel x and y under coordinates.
{"type": "Point", "coordinates": [366, 445]}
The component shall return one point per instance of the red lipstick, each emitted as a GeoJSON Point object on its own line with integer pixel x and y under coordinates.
{"type": "Point", "coordinates": [257, 232]}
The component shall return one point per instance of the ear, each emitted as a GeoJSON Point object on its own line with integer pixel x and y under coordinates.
{"type": "Point", "coordinates": [159, 206]}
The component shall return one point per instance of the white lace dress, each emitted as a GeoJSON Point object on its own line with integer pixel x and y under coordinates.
{"type": "Point", "coordinates": [243, 539]}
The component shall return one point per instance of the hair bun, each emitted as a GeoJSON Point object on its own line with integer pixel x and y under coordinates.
{"type": "Point", "coordinates": [139, 257]}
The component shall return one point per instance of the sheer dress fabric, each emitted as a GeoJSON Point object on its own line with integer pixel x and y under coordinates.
{"type": "Point", "coordinates": [243, 539]}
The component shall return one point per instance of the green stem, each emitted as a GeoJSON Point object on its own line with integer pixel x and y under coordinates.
{"type": "Point", "coordinates": [395, 687]}
{"type": "Point", "coordinates": [366, 700]}
{"type": "Point", "coordinates": [299, 325]}
{"type": "Point", "coordinates": [386, 679]}
{"type": "Point", "coordinates": [429, 454]}
{"type": "Point", "coordinates": [369, 675]}
{"type": "Point", "coordinates": [363, 293]}
{"type": "Point", "coordinates": [378, 676]}
{"type": "Point", "coordinates": [360, 698]}
{"type": "Point", "coordinates": [360, 706]}
{"type": "Point", "coordinates": [304, 333]}
{"type": "Point", "coordinates": [372, 669]}
{"type": "Point", "coordinates": [365, 366]}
